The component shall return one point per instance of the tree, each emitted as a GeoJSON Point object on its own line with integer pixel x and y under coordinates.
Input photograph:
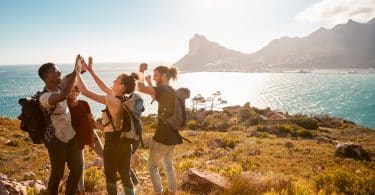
{"type": "Point", "coordinates": [197, 100]}
{"type": "Point", "coordinates": [216, 100]}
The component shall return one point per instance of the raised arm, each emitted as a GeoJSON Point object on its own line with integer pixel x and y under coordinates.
{"type": "Point", "coordinates": [90, 94]}
{"type": "Point", "coordinates": [96, 78]}
{"type": "Point", "coordinates": [66, 87]}
{"type": "Point", "coordinates": [146, 89]}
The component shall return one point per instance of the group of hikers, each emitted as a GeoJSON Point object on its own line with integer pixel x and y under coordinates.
{"type": "Point", "coordinates": [72, 125]}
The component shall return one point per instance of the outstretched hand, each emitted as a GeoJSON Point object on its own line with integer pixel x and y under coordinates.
{"type": "Point", "coordinates": [148, 78]}
{"type": "Point", "coordinates": [143, 67]}
{"type": "Point", "coordinates": [78, 65]}
{"type": "Point", "coordinates": [89, 65]}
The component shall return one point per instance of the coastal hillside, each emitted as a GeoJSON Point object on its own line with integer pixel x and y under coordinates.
{"type": "Point", "coordinates": [240, 150]}
{"type": "Point", "coordinates": [349, 45]}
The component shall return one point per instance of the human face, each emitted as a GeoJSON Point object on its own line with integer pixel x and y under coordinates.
{"type": "Point", "coordinates": [53, 75]}
{"type": "Point", "coordinates": [118, 88]}
{"type": "Point", "coordinates": [157, 78]}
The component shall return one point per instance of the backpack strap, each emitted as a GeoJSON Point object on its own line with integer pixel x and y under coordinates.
{"type": "Point", "coordinates": [133, 118]}
{"type": "Point", "coordinates": [106, 110]}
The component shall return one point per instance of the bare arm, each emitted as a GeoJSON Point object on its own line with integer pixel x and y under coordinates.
{"type": "Point", "coordinates": [146, 89]}
{"type": "Point", "coordinates": [90, 94]}
{"type": "Point", "coordinates": [97, 80]}
{"type": "Point", "coordinates": [67, 87]}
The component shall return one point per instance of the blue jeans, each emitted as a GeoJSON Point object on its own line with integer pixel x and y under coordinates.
{"type": "Point", "coordinates": [59, 154]}
{"type": "Point", "coordinates": [160, 152]}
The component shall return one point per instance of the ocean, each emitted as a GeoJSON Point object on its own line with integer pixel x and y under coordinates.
{"type": "Point", "coordinates": [351, 96]}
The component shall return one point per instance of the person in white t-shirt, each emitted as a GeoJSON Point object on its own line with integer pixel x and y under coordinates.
{"type": "Point", "coordinates": [60, 140]}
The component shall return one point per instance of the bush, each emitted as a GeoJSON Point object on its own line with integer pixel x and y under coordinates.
{"type": "Point", "coordinates": [193, 124]}
{"type": "Point", "coordinates": [260, 128]}
{"type": "Point", "coordinates": [286, 128]}
{"type": "Point", "coordinates": [234, 128]}
{"type": "Point", "coordinates": [245, 114]}
{"type": "Point", "coordinates": [264, 135]}
{"type": "Point", "coordinates": [346, 181]}
{"type": "Point", "coordinates": [306, 133]}
{"type": "Point", "coordinates": [253, 121]}
{"type": "Point", "coordinates": [230, 142]}
{"type": "Point", "coordinates": [231, 171]}
{"type": "Point", "coordinates": [94, 179]}
{"type": "Point", "coordinates": [254, 183]}
{"type": "Point", "coordinates": [184, 165]}
{"type": "Point", "coordinates": [13, 143]}
{"type": "Point", "coordinates": [305, 122]}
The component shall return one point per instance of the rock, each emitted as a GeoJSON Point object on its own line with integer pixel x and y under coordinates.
{"type": "Point", "coordinates": [12, 188]}
{"type": "Point", "coordinates": [3, 177]}
{"type": "Point", "coordinates": [352, 150]}
{"type": "Point", "coordinates": [326, 140]}
{"type": "Point", "coordinates": [191, 133]}
{"type": "Point", "coordinates": [37, 185]}
{"type": "Point", "coordinates": [135, 162]}
{"type": "Point", "coordinates": [255, 134]}
{"type": "Point", "coordinates": [98, 162]}
{"type": "Point", "coordinates": [29, 176]}
{"type": "Point", "coordinates": [46, 167]}
{"type": "Point", "coordinates": [289, 145]}
{"type": "Point", "coordinates": [143, 161]}
{"type": "Point", "coordinates": [203, 181]}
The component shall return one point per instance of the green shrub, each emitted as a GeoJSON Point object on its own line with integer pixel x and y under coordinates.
{"type": "Point", "coordinates": [261, 128]}
{"type": "Point", "coordinates": [234, 128]}
{"type": "Point", "coordinates": [230, 142]}
{"type": "Point", "coordinates": [94, 179]}
{"type": "Point", "coordinates": [244, 114]}
{"type": "Point", "coordinates": [346, 181]}
{"type": "Point", "coordinates": [255, 120]}
{"type": "Point", "coordinates": [231, 171]}
{"type": "Point", "coordinates": [193, 124]}
{"type": "Point", "coordinates": [13, 143]}
{"type": "Point", "coordinates": [306, 133]}
{"type": "Point", "coordinates": [264, 135]}
{"type": "Point", "coordinates": [185, 165]}
{"type": "Point", "coordinates": [254, 183]}
{"type": "Point", "coordinates": [305, 122]}
{"type": "Point", "coordinates": [286, 128]}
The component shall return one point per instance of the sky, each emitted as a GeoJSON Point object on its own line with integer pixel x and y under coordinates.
{"type": "Point", "coordinates": [39, 31]}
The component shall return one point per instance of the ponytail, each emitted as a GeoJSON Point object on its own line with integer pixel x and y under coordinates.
{"type": "Point", "coordinates": [171, 72]}
{"type": "Point", "coordinates": [129, 81]}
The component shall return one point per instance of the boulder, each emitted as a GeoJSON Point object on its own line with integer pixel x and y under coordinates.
{"type": "Point", "coordinates": [352, 150]}
{"type": "Point", "coordinates": [8, 187]}
{"type": "Point", "coordinates": [203, 181]}
{"type": "Point", "coordinates": [191, 133]}
{"type": "Point", "coordinates": [37, 185]}
{"type": "Point", "coordinates": [326, 140]}
{"type": "Point", "coordinates": [3, 177]}
{"type": "Point", "coordinates": [289, 145]}
{"type": "Point", "coordinates": [29, 176]}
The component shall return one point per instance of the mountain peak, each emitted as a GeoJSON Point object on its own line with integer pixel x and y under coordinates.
{"type": "Point", "coordinates": [371, 21]}
{"type": "Point", "coordinates": [350, 21]}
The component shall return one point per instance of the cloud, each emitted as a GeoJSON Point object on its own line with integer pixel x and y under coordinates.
{"type": "Point", "coordinates": [332, 12]}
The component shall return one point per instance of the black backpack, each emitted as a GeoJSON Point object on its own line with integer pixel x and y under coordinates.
{"type": "Point", "coordinates": [35, 120]}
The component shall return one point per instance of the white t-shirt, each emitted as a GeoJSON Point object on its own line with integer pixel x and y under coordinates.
{"type": "Point", "coordinates": [60, 117]}
{"type": "Point", "coordinates": [114, 106]}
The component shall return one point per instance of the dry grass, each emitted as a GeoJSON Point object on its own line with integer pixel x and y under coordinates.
{"type": "Point", "coordinates": [272, 167]}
